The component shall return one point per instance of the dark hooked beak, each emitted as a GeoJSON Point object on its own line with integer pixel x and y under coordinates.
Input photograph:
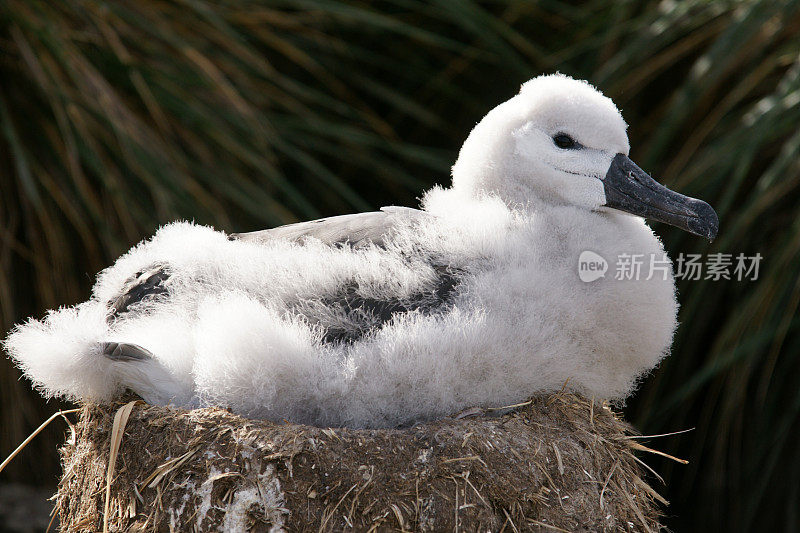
{"type": "Point", "coordinates": [630, 189]}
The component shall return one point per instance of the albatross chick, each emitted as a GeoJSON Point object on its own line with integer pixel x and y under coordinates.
{"type": "Point", "coordinates": [402, 315]}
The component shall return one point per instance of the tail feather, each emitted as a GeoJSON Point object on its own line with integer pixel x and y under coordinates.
{"type": "Point", "coordinates": [67, 355]}
{"type": "Point", "coordinates": [121, 351]}
{"type": "Point", "coordinates": [140, 372]}
{"type": "Point", "coordinates": [63, 353]}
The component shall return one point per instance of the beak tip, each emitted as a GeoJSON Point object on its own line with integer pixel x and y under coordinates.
{"type": "Point", "coordinates": [713, 228]}
{"type": "Point", "coordinates": [708, 220]}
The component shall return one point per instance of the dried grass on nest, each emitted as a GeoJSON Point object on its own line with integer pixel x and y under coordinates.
{"type": "Point", "coordinates": [556, 463]}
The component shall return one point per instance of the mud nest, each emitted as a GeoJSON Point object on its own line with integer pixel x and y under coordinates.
{"type": "Point", "coordinates": [555, 463]}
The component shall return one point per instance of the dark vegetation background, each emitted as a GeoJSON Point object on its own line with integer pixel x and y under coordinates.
{"type": "Point", "coordinates": [118, 116]}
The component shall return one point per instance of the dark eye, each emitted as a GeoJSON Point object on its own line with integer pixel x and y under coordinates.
{"type": "Point", "coordinates": [564, 141]}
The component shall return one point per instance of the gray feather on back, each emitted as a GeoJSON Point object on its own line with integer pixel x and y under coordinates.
{"type": "Point", "coordinates": [359, 229]}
